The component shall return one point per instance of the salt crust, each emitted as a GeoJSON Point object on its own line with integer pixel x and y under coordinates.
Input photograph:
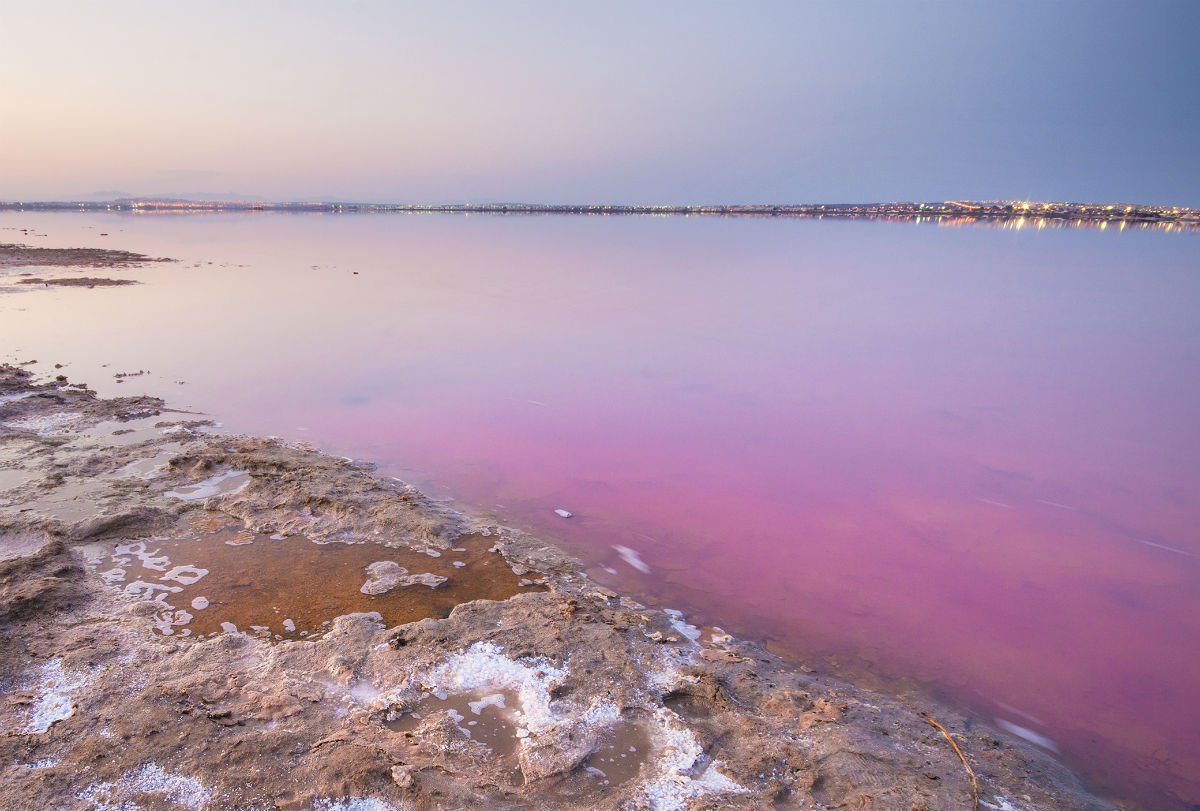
{"type": "Point", "coordinates": [354, 804]}
{"type": "Point", "coordinates": [669, 678]}
{"type": "Point", "coordinates": [149, 779]}
{"type": "Point", "coordinates": [1004, 804]}
{"type": "Point", "coordinates": [484, 666]}
{"type": "Point", "coordinates": [680, 624]}
{"type": "Point", "coordinates": [671, 786]}
{"type": "Point", "coordinates": [167, 618]}
{"type": "Point", "coordinates": [493, 700]}
{"type": "Point", "coordinates": [385, 575]}
{"type": "Point", "coordinates": [212, 486]}
{"type": "Point", "coordinates": [44, 424]}
{"type": "Point", "coordinates": [53, 703]}
{"type": "Point", "coordinates": [679, 771]}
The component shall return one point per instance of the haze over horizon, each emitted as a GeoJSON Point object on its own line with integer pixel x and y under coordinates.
{"type": "Point", "coordinates": [626, 103]}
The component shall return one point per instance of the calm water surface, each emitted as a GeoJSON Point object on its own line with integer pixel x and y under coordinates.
{"type": "Point", "coordinates": [968, 459]}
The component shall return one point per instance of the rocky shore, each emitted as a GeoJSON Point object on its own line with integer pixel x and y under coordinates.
{"type": "Point", "coordinates": [191, 620]}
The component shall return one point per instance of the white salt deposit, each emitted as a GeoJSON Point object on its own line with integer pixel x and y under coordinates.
{"type": "Point", "coordinates": [425, 579]}
{"type": "Point", "coordinates": [45, 424]}
{"type": "Point", "coordinates": [113, 576]}
{"type": "Point", "coordinates": [354, 804]}
{"type": "Point", "coordinates": [229, 628]}
{"type": "Point", "coordinates": [187, 575]}
{"type": "Point", "coordinates": [145, 469]}
{"type": "Point", "coordinates": [681, 625]}
{"type": "Point", "coordinates": [385, 575]}
{"type": "Point", "coordinates": [231, 481]}
{"type": "Point", "coordinates": [669, 678]}
{"type": "Point", "coordinates": [12, 398]}
{"type": "Point", "coordinates": [53, 702]}
{"type": "Point", "coordinates": [149, 779]}
{"type": "Point", "coordinates": [140, 589]}
{"type": "Point", "coordinates": [167, 621]}
{"type": "Point", "coordinates": [1001, 803]}
{"type": "Point", "coordinates": [720, 637]}
{"type": "Point", "coordinates": [561, 513]}
{"type": "Point", "coordinates": [150, 560]}
{"type": "Point", "coordinates": [289, 625]}
{"type": "Point", "coordinates": [631, 557]}
{"type": "Point", "coordinates": [670, 786]}
{"type": "Point", "coordinates": [483, 666]}
{"type": "Point", "coordinates": [200, 603]}
{"type": "Point", "coordinates": [48, 763]}
{"type": "Point", "coordinates": [493, 700]}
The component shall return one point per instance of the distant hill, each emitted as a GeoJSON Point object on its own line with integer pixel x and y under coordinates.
{"type": "Point", "coordinates": [174, 197]}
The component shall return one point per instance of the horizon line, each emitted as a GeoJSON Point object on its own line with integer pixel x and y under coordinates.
{"type": "Point", "coordinates": [1003, 213]}
{"type": "Point", "coordinates": [247, 202]}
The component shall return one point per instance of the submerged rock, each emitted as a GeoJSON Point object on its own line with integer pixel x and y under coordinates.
{"type": "Point", "coordinates": [385, 575]}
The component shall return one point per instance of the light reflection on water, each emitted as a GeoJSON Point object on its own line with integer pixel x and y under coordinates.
{"type": "Point", "coordinates": [966, 457]}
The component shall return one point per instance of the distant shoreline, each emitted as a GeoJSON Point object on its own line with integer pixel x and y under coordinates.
{"type": "Point", "coordinates": [1008, 213]}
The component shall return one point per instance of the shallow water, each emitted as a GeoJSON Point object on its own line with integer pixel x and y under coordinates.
{"type": "Point", "coordinates": [223, 579]}
{"type": "Point", "coordinates": [966, 459]}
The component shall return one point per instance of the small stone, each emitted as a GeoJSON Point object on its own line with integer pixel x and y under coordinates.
{"type": "Point", "coordinates": [425, 579]}
{"type": "Point", "coordinates": [403, 776]}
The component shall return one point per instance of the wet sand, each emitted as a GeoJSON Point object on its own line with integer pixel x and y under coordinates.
{"type": "Point", "coordinates": [515, 683]}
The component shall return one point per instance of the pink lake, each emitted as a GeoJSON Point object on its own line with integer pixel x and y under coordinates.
{"type": "Point", "coordinates": [964, 461]}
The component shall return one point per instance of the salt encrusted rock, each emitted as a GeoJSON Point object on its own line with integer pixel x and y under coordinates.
{"type": "Point", "coordinates": [424, 579]}
{"type": "Point", "coordinates": [402, 776]}
{"type": "Point", "coordinates": [385, 575]}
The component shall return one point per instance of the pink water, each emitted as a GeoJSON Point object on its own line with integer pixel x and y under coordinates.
{"type": "Point", "coordinates": [963, 459]}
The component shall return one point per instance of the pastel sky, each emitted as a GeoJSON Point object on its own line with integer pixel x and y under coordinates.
{"type": "Point", "coordinates": [602, 102]}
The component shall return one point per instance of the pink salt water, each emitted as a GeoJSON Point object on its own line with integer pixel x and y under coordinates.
{"type": "Point", "coordinates": [964, 461]}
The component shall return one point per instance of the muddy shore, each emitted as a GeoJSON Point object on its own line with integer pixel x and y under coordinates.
{"type": "Point", "coordinates": [14, 255]}
{"type": "Point", "coordinates": [18, 264]}
{"type": "Point", "coordinates": [201, 621]}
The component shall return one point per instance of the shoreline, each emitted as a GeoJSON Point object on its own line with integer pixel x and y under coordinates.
{"type": "Point", "coordinates": [1002, 213]}
{"type": "Point", "coordinates": [327, 719]}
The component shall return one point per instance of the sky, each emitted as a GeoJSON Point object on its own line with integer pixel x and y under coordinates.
{"type": "Point", "coordinates": [621, 102]}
